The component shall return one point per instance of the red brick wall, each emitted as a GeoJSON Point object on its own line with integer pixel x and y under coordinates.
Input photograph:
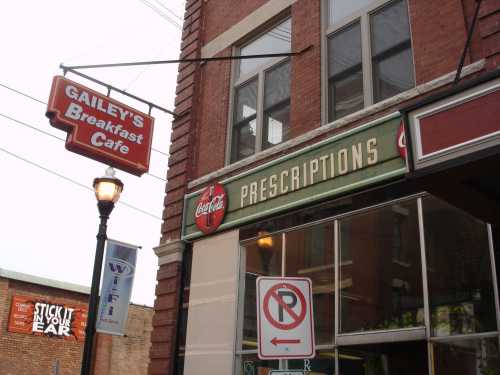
{"type": "Point", "coordinates": [22, 354]}
{"type": "Point", "coordinates": [220, 15]}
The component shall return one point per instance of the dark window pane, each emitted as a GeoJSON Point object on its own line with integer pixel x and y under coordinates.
{"type": "Point", "coordinates": [459, 271]}
{"type": "Point", "coordinates": [338, 9]}
{"type": "Point", "coordinates": [322, 364]}
{"type": "Point", "coordinates": [346, 95]}
{"type": "Point", "coordinates": [381, 284]}
{"type": "Point", "coordinates": [403, 358]}
{"type": "Point", "coordinates": [243, 142]}
{"type": "Point", "coordinates": [250, 364]}
{"type": "Point", "coordinates": [246, 101]}
{"type": "Point", "coordinates": [276, 40]}
{"type": "Point", "coordinates": [276, 125]}
{"type": "Point", "coordinates": [277, 85]}
{"type": "Point", "coordinates": [344, 50]}
{"type": "Point", "coordinates": [390, 27]}
{"type": "Point", "coordinates": [471, 356]}
{"type": "Point", "coordinates": [392, 75]}
{"type": "Point", "coordinates": [260, 260]}
{"type": "Point", "coordinates": [310, 253]}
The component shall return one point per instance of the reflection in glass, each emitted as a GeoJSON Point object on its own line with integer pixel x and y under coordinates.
{"type": "Point", "coordinates": [260, 261]}
{"type": "Point", "coordinates": [322, 364]}
{"type": "Point", "coordinates": [403, 358]}
{"type": "Point", "coordinates": [459, 271]}
{"type": "Point", "coordinates": [276, 40]}
{"type": "Point", "coordinates": [392, 60]}
{"type": "Point", "coordinates": [381, 284]}
{"type": "Point", "coordinates": [338, 9]}
{"type": "Point", "coordinates": [245, 121]}
{"type": "Point", "coordinates": [310, 253]}
{"type": "Point", "coordinates": [470, 356]}
{"type": "Point", "coordinates": [250, 364]}
{"type": "Point", "coordinates": [276, 106]}
{"type": "Point", "coordinates": [345, 72]}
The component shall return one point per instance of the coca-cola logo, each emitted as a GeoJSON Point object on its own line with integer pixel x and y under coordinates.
{"type": "Point", "coordinates": [211, 208]}
{"type": "Point", "coordinates": [401, 141]}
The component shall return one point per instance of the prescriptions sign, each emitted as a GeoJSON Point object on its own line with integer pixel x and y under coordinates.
{"type": "Point", "coordinates": [99, 127]}
{"type": "Point", "coordinates": [34, 316]}
{"type": "Point", "coordinates": [285, 326]}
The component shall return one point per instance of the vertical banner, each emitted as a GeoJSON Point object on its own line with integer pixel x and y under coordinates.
{"type": "Point", "coordinates": [118, 277]}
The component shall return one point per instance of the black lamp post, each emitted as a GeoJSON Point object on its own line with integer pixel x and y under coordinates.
{"type": "Point", "coordinates": [107, 191]}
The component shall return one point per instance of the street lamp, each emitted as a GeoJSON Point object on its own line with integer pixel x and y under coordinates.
{"type": "Point", "coordinates": [107, 191]}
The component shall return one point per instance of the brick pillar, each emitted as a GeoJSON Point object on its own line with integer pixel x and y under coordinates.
{"type": "Point", "coordinates": [168, 293]}
{"type": "Point", "coordinates": [170, 250]}
{"type": "Point", "coordinates": [489, 29]}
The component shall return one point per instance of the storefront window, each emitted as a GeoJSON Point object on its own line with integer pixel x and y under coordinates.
{"type": "Point", "coordinates": [322, 364]}
{"type": "Point", "coordinates": [382, 318]}
{"type": "Point", "coordinates": [467, 356]}
{"type": "Point", "coordinates": [381, 283]}
{"type": "Point", "coordinates": [252, 365]}
{"type": "Point", "coordinates": [408, 358]}
{"type": "Point", "coordinates": [459, 271]}
{"type": "Point", "coordinates": [310, 253]}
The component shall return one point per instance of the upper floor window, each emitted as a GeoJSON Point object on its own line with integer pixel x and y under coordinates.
{"type": "Point", "coordinates": [261, 109]}
{"type": "Point", "coordinates": [369, 54]}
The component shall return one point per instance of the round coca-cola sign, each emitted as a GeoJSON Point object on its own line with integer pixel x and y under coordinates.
{"type": "Point", "coordinates": [401, 141]}
{"type": "Point", "coordinates": [211, 208]}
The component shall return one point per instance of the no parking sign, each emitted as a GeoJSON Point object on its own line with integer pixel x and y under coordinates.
{"type": "Point", "coordinates": [285, 327]}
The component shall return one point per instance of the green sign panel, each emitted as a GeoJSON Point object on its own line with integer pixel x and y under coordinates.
{"type": "Point", "coordinates": [350, 160]}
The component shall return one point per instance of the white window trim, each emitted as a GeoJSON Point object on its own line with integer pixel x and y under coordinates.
{"type": "Point", "coordinates": [238, 81]}
{"type": "Point", "coordinates": [363, 17]}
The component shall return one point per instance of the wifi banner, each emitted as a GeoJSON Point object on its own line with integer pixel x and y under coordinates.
{"type": "Point", "coordinates": [118, 278]}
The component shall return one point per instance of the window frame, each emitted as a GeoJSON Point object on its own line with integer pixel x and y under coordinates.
{"type": "Point", "coordinates": [259, 74]}
{"type": "Point", "coordinates": [342, 340]}
{"type": "Point", "coordinates": [362, 16]}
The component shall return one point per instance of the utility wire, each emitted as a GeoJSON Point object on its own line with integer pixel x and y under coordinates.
{"type": "Point", "coordinates": [169, 10]}
{"type": "Point", "coordinates": [73, 181]}
{"type": "Point", "coordinates": [56, 137]}
{"type": "Point", "coordinates": [161, 14]}
{"type": "Point", "coordinates": [42, 102]}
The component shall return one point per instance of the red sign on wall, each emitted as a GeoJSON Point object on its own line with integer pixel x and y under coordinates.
{"type": "Point", "coordinates": [211, 208]}
{"type": "Point", "coordinates": [33, 316]}
{"type": "Point", "coordinates": [101, 128]}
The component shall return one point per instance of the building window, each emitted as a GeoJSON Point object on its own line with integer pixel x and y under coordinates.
{"type": "Point", "coordinates": [374, 312]}
{"type": "Point", "coordinates": [369, 54]}
{"type": "Point", "coordinates": [261, 111]}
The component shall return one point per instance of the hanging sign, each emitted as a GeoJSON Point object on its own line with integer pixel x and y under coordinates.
{"type": "Point", "coordinates": [211, 208]}
{"type": "Point", "coordinates": [118, 278]}
{"type": "Point", "coordinates": [39, 317]}
{"type": "Point", "coordinates": [285, 327]}
{"type": "Point", "coordinates": [99, 127]}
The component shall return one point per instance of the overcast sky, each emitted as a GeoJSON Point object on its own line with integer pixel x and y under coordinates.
{"type": "Point", "coordinates": [48, 225]}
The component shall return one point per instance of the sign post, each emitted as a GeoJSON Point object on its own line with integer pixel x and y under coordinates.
{"type": "Point", "coordinates": [285, 326]}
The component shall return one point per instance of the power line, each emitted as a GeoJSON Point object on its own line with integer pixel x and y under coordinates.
{"type": "Point", "coordinates": [168, 10]}
{"type": "Point", "coordinates": [45, 103]}
{"type": "Point", "coordinates": [58, 138]}
{"type": "Point", "coordinates": [74, 182]}
{"type": "Point", "coordinates": [161, 14]}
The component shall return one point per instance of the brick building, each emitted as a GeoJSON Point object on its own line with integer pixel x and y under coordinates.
{"type": "Point", "coordinates": [27, 353]}
{"type": "Point", "coordinates": [349, 154]}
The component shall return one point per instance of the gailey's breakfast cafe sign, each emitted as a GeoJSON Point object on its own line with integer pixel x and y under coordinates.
{"type": "Point", "coordinates": [100, 127]}
{"type": "Point", "coordinates": [350, 160]}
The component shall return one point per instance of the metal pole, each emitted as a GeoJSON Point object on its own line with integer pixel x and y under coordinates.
{"type": "Point", "coordinates": [105, 209]}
